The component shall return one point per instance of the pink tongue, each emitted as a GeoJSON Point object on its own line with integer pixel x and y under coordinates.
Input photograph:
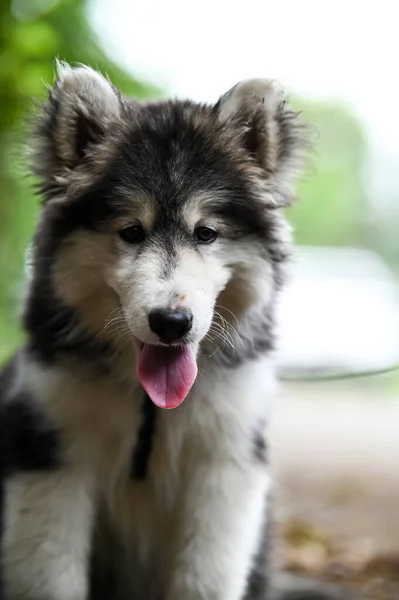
{"type": "Point", "coordinates": [167, 373]}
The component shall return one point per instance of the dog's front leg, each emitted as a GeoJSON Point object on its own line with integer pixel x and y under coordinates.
{"type": "Point", "coordinates": [220, 527]}
{"type": "Point", "coordinates": [46, 538]}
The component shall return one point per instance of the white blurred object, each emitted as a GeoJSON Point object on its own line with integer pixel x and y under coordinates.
{"type": "Point", "coordinates": [339, 314]}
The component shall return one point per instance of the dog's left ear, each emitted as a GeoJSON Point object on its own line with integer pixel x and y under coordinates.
{"type": "Point", "coordinates": [269, 131]}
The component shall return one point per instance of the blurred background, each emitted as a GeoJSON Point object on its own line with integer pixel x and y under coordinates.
{"type": "Point", "coordinates": [336, 431]}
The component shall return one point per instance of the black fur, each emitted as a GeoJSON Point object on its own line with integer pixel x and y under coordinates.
{"type": "Point", "coordinates": [142, 451]}
{"type": "Point", "coordinates": [103, 573]}
{"type": "Point", "coordinates": [29, 442]}
{"type": "Point", "coordinates": [260, 447]}
{"type": "Point", "coordinates": [168, 157]}
{"type": "Point", "coordinates": [49, 322]}
{"type": "Point", "coordinates": [54, 328]}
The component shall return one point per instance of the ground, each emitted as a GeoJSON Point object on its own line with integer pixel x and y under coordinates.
{"type": "Point", "coordinates": [335, 450]}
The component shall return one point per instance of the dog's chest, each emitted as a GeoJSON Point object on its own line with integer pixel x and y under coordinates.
{"type": "Point", "coordinates": [141, 511]}
{"type": "Point", "coordinates": [143, 460]}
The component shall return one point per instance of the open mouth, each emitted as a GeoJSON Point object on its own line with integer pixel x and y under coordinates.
{"type": "Point", "coordinates": [167, 373]}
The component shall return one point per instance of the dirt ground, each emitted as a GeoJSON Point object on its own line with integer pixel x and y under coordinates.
{"type": "Point", "coordinates": [335, 450]}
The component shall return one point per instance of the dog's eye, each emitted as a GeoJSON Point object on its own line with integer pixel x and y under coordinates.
{"type": "Point", "coordinates": [205, 235]}
{"type": "Point", "coordinates": [133, 234]}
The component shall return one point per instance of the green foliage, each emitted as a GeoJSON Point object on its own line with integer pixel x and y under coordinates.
{"type": "Point", "coordinates": [32, 34]}
{"type": "Point", "coordinates": [332, 199]}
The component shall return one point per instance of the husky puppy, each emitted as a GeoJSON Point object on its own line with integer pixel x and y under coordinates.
{"type": "Point", "coordinates": [157, 260]}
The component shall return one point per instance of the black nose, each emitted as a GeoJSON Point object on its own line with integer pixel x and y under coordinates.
{"type": "Point", "coordinates": [170, 325]}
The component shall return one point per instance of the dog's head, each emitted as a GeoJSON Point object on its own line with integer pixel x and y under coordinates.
{"type": "Point", "coordinates": [161, 224]}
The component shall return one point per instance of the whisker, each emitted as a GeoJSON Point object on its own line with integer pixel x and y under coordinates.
{"type": "Point", "coordinates": [229, 311]}
{"type": "Point", "coordinates": [228, 326]}
{"type": "Point", "coordinates": [113, 322]}
{"type": "Point", "coordinates": [222, 334]}
{"type": "Point", "coordinates": [235, 331]}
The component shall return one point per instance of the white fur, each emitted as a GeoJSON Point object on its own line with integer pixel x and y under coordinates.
{"type": "Point", "coordinates": [191, 528]}
{"type": "Point", "coordinates": [85, 91]}
{"type": "Point", "coordinates": [47, 536]}
{"type": "Point", "coordinates": [194, 283]}
{"type": "Point", "coordinates": [224, 500]}
{"type": "Point", "coordinates": [252, 92]}
{"type": "Point", "coordinates": [89, 89]}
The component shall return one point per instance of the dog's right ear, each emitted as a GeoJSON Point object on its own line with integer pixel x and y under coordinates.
{"type": "Point", "coordinates": [82, 107]}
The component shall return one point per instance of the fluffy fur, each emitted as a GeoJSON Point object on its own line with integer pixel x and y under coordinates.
{"type": "Point", "coordinates": [106, 496]}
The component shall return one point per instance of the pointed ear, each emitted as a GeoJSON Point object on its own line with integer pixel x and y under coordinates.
{"type": "Point", "coordinates": [81, 108]}
{"type": "Point", "coordinates": [269, 131]}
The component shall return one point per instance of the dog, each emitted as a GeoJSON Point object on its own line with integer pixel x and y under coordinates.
{"type": "Point", "coordinates": [134, 419]}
